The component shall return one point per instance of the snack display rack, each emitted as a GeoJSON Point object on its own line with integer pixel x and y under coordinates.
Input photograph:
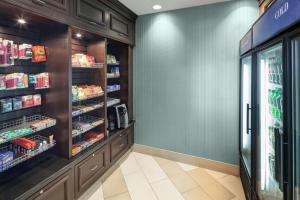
{"type": "Point", "coordinates": [87, 107]}
{"type": "Point", "coordinates": [88, 79]}
{"type": "Point", "coordinates": [84, 124]}
{"type": "Point", "coordinates": [33, 123]}
{"type": "Point", "coordinates": [22, 157]}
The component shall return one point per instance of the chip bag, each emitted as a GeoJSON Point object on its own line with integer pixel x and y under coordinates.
{"type": "Point", "coordinates": [38, 54]}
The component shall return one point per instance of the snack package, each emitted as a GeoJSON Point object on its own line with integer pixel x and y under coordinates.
{"type": "Point", "coordinates": [2, 53]}
{"type": "Point", "coordinates": [2, 82]}
{"type": "Point", "coordinates": [25, 51]}
{"type": "Point", "coordinates": [74, 93]}
{"type": "Point", "coordinates": [9, 52]}
{"type": "Point", "coordinates": [37, 99]}
{"type": "Point", "coordinates": [16, 81]}
{"type": "Point", "coordinates": [38, 54]}
{"type": "Point", "coordinates": [17, 103]}
{"type": "Point", "coordinates": [6, 157]}
{"type": "Point", "coordinates": [27, 101]}
{"type": "Point", "coordinates": [6, 105]}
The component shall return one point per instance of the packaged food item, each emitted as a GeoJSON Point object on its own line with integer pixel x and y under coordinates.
{"type": "Point", "coordinates": [27, 101]}
{"type": "Point", "coordinates": [25, 51]}
{"type": "Point", "coordinates": [2, 82]}
{"type": "Point", "coordinates": [9, 52]}
{"type": "Point", "coordinates": [82, 60]}
{"type": "Point", "coordinates": [15, 50]}
{"type": "Point", "coordinates": [40, 81]}
{"type": "Point", "coordinates": [2, 53]}
{"type": "Point", "coordinates": [37, 99]}
{"type": "Point", "coordinates": [38, 54]}
{"type": "Point", "coordinates": [16, 81]}
{"type": "Point", "coordinates": [6, 105]}
{"type": "Point", "coordinates": [22, 145]}
{"type": "Point", "coordinates": [5, 158]}
{"type": "Point", "coordinates": [74, 93]}
{"type": "Point", "coordinates": [17, 103]}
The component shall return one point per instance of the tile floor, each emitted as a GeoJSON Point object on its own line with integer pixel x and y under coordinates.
{"type": "Point", "coordinates": [144, 177]}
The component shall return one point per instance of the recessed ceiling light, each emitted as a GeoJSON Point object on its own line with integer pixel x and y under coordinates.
{"type": "Point", "coordinates": [79, 35]}
{"type": "Point", "coordinates": [157, 7]}
{"type": "Point", "coordinates": [21, 21]}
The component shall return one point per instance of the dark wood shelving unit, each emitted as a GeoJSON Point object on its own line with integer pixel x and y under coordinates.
{"type": "Point", "coordinates": [55, 174]}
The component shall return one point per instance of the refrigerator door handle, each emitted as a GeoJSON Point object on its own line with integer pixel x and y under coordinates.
{"type": "Point", "coordinates": [248, 124]}
{"type": "Point", "coordinates": [278, 157]}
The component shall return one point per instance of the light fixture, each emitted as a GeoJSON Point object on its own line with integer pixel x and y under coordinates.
{"type": "Point", "coordinates": [21, 21]}
{"type": "Point", "coordinates": [78, 35]}
{"type": "Point", "coordinates": [157, 7]}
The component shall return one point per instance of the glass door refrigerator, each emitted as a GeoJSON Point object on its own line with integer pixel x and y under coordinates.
{"type": "Point", "coordinates": [270, 123]}
{"type": "Point", "coordinates": [295, 64]}
{"type": "Point", "coordinates": [246, 81]}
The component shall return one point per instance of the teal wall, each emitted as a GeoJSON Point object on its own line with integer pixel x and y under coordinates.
{"type": "Point", "coordinates": [186, 78]}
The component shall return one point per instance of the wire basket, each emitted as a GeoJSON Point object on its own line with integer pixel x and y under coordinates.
{"type": "Point", "coordinates": [21, 157]}
{"type": "Point", "coordinates": [84, 124]}
{"type": "Point", "coordinates": [25, 122]}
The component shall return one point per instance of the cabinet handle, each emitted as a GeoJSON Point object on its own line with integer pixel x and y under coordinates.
{"type": "Point", "coordinates": [121, 135]}
{"type": "Point", "coordinates": [39, 2]}
{"type": "Point", "coordinates": [122, 145]}
{"type": "Point", "coordinates": [42, 191]}
{"type": "Point", "coordinates": [92, 23]}
{"type": "Point", "coordinates": [94, 168]}
{"type": "Point", "coordinates": [93, 155]}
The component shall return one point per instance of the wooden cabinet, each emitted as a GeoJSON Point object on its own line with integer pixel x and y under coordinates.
{"type": "Point", "coordinates": [119, 144]}
{"type": "Point", "coordinates": [90, 169]}
{"type": "Point", "coordinates": [44, 7]}
{"type": "Point", "coordinates": [91, 12]}
{"type": "Point", "coordinates": [59, 189]}
{"type": "Point", "coordinates": [264, 5]}
{"type": "Point", "coordinates": [120, 27]}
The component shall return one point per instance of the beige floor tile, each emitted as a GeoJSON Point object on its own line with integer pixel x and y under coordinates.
{"type": "Point", "coordinates": [196, 194]}
{"type": "Point", "coordinates": [140, 155]}
{"type": "Point", "coordinates": [151, 169]}
{"type": "Point", "coordinates": [165, 190]}
{"type": "Point", "coordinates": [182, 181]}
{"type": "Point", "coordinates": [129, 165]}
{"type": "Point", "coordinates": [114, 185]}
{"type": "Point", "coordinates": [170, 167]}
{"type": "Point", "coordinates": [124, 196]}
{"type": "Point", "coordinates": [235, 198]}
{"type": "Point", "coordinates": [186, 167]}
{"type": "Point", "coordinates": [215, 174]}
{"type": "Point", "coordinates": [138, 187]}
{"type": "Point", "coordinates": [234, 184]}
{"type": "Point", "coordinates": [210, 185]}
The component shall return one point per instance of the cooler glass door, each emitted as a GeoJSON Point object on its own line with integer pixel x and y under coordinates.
{"type": "Point", "coordinates": [270, 144]}
{"type": "Point", "coordinates": [296, 115]}
{"type": "Point", "coordinates": [246, 112]}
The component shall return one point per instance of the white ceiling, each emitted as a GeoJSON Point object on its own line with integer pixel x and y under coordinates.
{"type": "Point", "coordinates": [141, 7]}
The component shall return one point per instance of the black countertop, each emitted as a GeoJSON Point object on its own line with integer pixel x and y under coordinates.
{"type": "Point", "coordinates": [24, 180]}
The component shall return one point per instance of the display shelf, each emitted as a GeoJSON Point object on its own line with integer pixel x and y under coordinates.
{"type": "Point", "coordinates": [113, 64]}
{"type": "Point", "coordinates": [111, 91]}
{"type": "Point", "coordinates": [88, 145]}
{"type": "Point", "coordinates": [93, 67]}
{"type": "Point", "coordinates": [21, 92]}
{"type": "Point", "coordinates": [109, 76]}
{"type": "Point", "coordinates": [19, 113]}
{"type": "Point", "coordinates": [21, 157]}
{"type": "Point", "coordinates": [112, 102]}
{"type": "Point", "coordinates": [84, 124]}
{"type": "Point", "coordinates": [88, 98]}
{"type": "Point", "coordinates": [82, 109]}
{"type": "Point", "coordinates": [27, 122]}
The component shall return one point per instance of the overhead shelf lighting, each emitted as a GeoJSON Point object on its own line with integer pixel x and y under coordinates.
{"type": "Point", "coordinates": [157, 7]}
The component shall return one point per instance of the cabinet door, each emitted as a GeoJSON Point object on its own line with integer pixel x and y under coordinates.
{"type": "Point", "coordinates": [92, 12]}
{"type": "Point", "coordinates": [56, 4]}
{"type": "Point", "coordinates": [60, 189]}
{"type": "Point", "coordinates": [120, 28]}
{"type": "Point", "coordinates": [90, 169]}
{"type": "Point", "coordinates": [118, 145]}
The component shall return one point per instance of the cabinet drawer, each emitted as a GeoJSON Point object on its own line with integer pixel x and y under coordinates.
{"type": "Point", "coordinates": [88, 170]}
{"type": "Point", "coordinates": [120, 27]}
{"type": "Point", "coordinates": [92, 12]}
{"type": "Point", "coordinates": [60, 189]}
{"type": "Point", "coordinates": [118, 145]}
